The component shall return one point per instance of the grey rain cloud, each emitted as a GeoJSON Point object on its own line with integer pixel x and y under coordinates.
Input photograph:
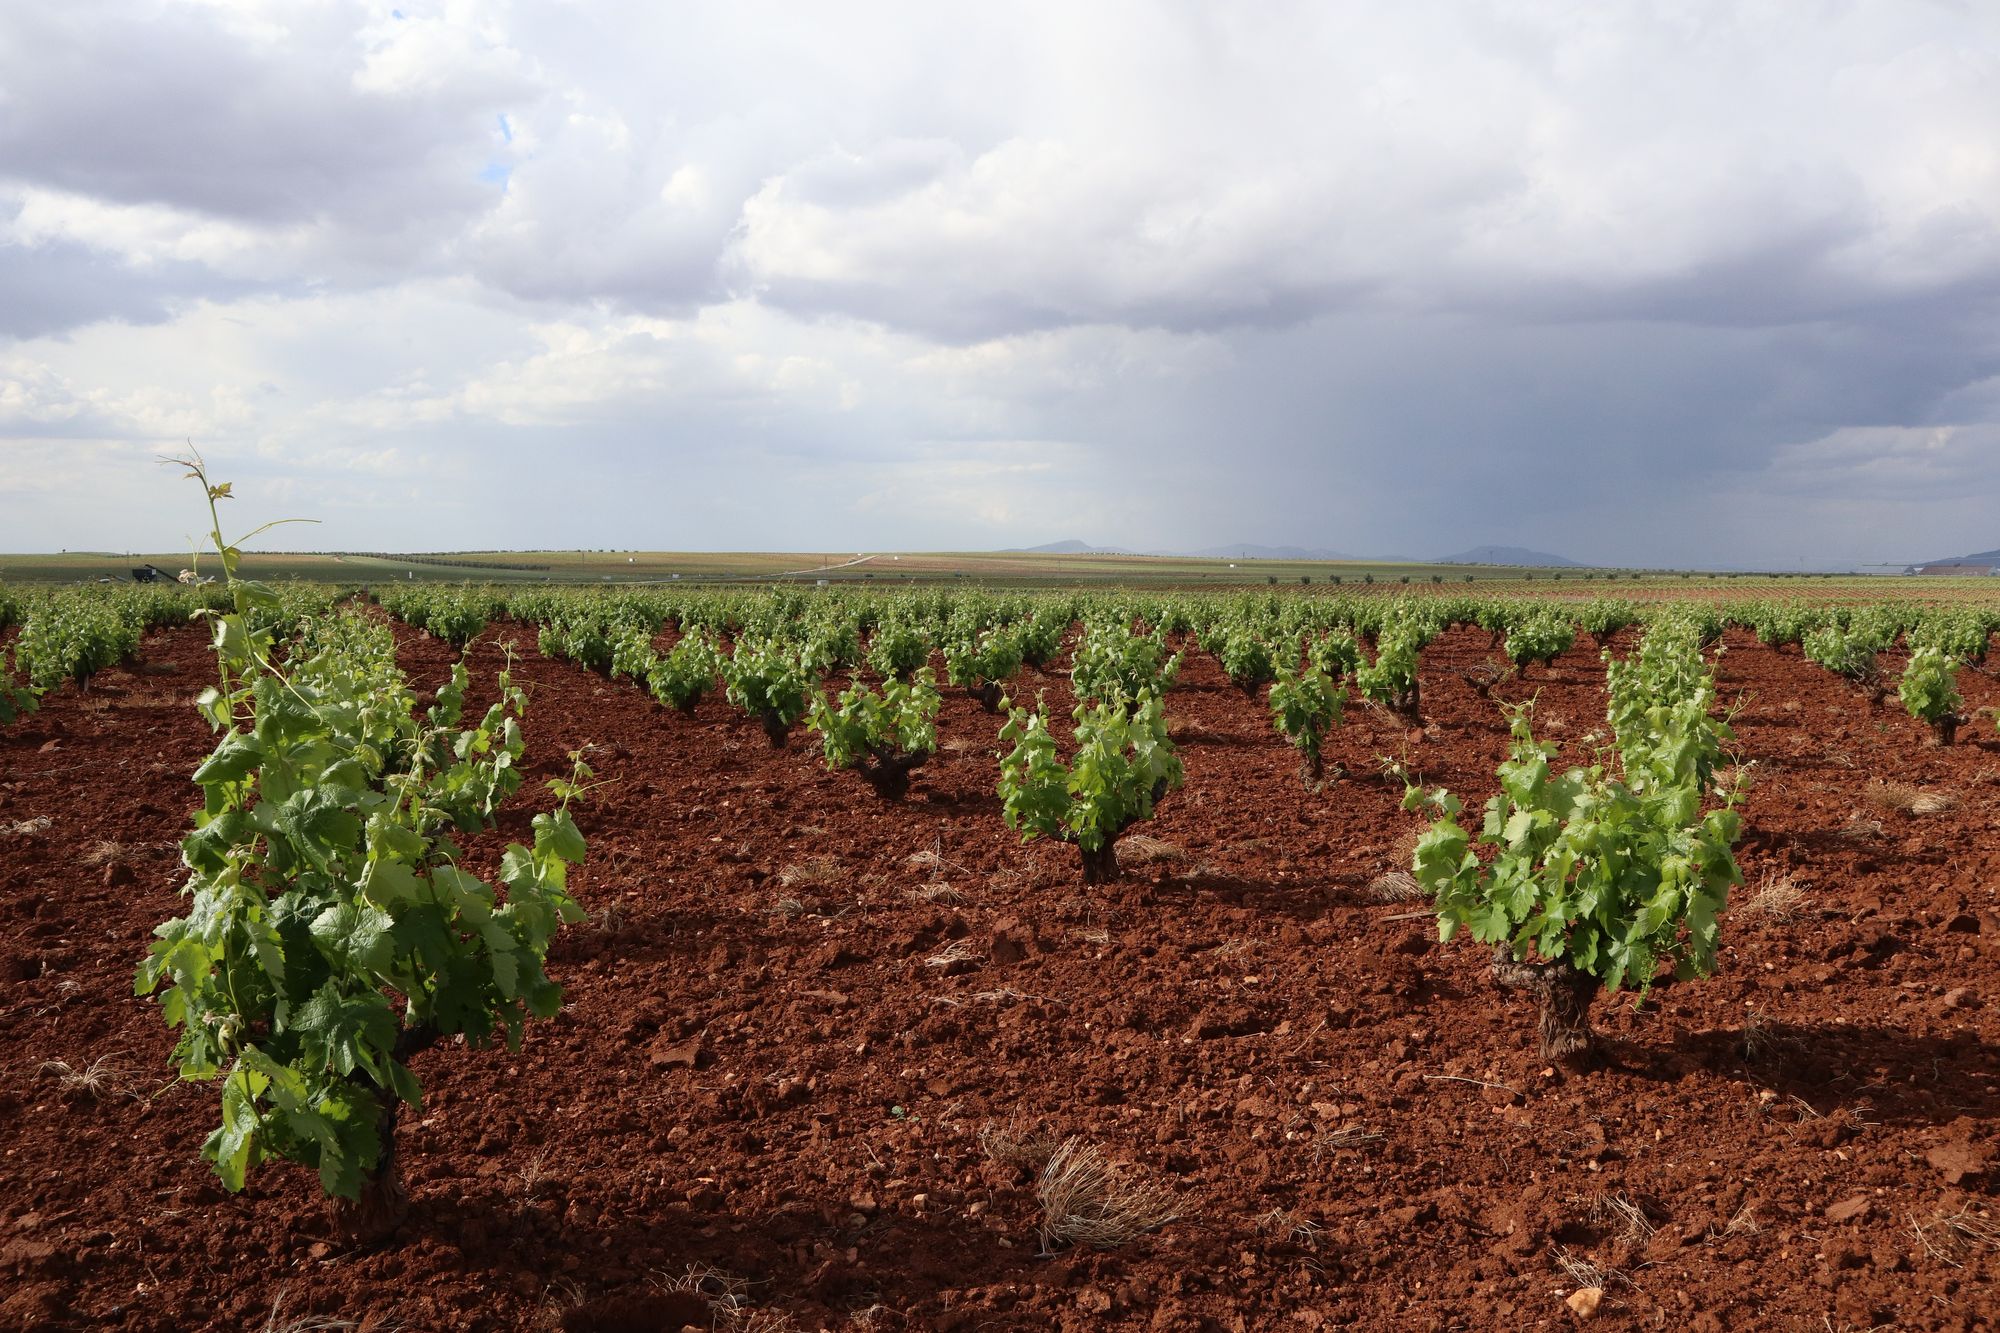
{"type": "Point", "coordinates": [53, 287]}
{"type": "Point", "coordinates": [1648, 283]}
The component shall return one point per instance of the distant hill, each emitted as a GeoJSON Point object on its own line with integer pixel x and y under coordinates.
{"type": "Point", "coordinates": [1252, 551]}
{"type": "Point", "coordinates": [1070, 547]}
{"type": "Point", "coordinates": [1990, 559]}
{"type": "Point", "coordinates": [1508, 555]}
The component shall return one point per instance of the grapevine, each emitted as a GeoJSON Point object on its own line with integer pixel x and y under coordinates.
{"type": "Point", "coordinates": [1929, 692]}
{"type": "Point", "coordinates": [766, 680]}
{"type": "Point", "coordinates": [883, 737]}
{"type": "Point", "coordinates": [1596, 879]}
{"type": "Point", "coordinates": [334, 929]}
{"type": "Point", "coordinates": [1305, 704]}
{"type": "Point", "coordinates": [1124, 765]}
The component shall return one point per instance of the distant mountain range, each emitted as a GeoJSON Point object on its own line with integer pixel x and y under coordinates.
{"type": "Point", "coordinates": [1253, 552]}
{"type": "Point", "coordinates": [1990, 559]}
{"type": "Point", "coordinates": [1478, 555]}
{"type": "Point", "coordinates": [1070, 547]}
{"type": "Point", "coordinates": [1508, 555]}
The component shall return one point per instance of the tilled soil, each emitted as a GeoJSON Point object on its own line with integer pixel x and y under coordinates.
{"type": "Point", "coordinates": [809, 1032]}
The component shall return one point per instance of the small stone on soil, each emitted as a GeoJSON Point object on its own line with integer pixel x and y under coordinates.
{"type": "Point", "coordinates": [1583, 1302]}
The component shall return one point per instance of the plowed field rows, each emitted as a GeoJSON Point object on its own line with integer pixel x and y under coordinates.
{"type": "Point", "coordinates": [797, 1011]}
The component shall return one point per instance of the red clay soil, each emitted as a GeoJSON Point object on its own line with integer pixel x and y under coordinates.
{"type": "Point", "coordinates": [796, 1007]}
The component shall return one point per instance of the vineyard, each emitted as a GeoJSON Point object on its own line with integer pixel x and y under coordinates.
{"type": "Point", "coordinates": [446, 956]}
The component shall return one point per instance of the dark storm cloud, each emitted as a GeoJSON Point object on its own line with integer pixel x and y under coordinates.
{"type": "Point", "coordinates": [175, 104]}
{"type": "Point", "coordinates": [1382, 279]}
{"type": "Point", "coordinates": [50, 288]}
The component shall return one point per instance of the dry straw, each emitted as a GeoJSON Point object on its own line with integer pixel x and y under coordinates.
{"type": "Point", "coordinates": [1087, 1201]}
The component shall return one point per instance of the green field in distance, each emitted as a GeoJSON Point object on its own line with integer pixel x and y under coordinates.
{"type": "Point", "coordinates": [1003, 568]}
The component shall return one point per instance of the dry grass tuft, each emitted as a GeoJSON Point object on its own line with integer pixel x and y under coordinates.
{"type": "Point", "coordinates": [100, 1080]}
{"type": "Point", "coordinates": [1629, 1219]}
{"type": "Point", "coordinates": [1398, 886]}
{"type": "Point", "coordinates": [1289, 1226]}
{"type": "Point", "coordinates": [536, 1174]}
{"type": "Point", "coordinates": [1087, 1201]}
{"type": "Point", "coordinates": [1859, 829]}
{"type": "Point", "coordinates": [1143, 849]}
{"type": "Point", "coordinates": [819, 872]}
{"type": "Point", "coordinates": [931, 861]}
{"type": "Point", "coordinates": [1007, 995]}
{"type": "Point", "coordinates": [1583, 1273]}
{"type": "Point", "coordinates": [312, 1323]}
{"type": "Point", "coordinates": [275, 1322]}
{"type": "Point", "coordinates": [105, 852]}
{"type": "Point", "coordinates": [728, 1299]}
{"type": "Point", "coordinates": [958, 951]}
{"type": "Point", "coordinates": [1778, 897]}
{"type": "Point", "coordinates": [1744, 1223]}
{"type": "Point", "coordinates": [1973, 1230]}
{"type": "Point", "coordinates": [761, 1321]}
{"type": "Point", "coordinates": [1347, 1136]}
{"type": "Point", "coordinates": [24, 828]}
{"type": "Point", "coordinates": [1012, 1146]}
{"type": "Point", "coordinates": [559, 1298]}
{"type": "Point", "coordinates": [1083, 908]}
{"type": "Point", "coordinates": [937, 891]}
{"type": "Point", "coordinates": [1759, 1039]}
{"type": "Point", "coordinates": [725, 1292]}
{"type": "Point", "coordinates": [1893, 797]}
{"type": "Point", "coordinates": [1947, 1236]}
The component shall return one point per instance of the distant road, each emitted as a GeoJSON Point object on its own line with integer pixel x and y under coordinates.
{"type": "Point", "coordinates": [845, 564]}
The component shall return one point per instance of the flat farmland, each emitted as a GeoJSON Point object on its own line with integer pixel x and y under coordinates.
{"type": "Point", "coordinates": [1005, 568]}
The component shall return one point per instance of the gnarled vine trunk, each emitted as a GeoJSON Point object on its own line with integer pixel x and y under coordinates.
{"type": "Point", "coordinates": [1562, 996]}
{"type": "Point", "coordinates": [989, 694]}
{"type": "Point", "coordinates": [383, 1203]}
{"type": "Point", "coordinates": [1100, 866]}
{"type": "Point", "coordinates": [888, 771]}
{"type": "Point", "coordinates": [775, 728]}
{"type": "Point", "coordinates": [1407, 705]}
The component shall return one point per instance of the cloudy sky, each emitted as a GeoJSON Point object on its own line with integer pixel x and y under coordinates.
{"type": "Point", "coordinates": [1658, 283]}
